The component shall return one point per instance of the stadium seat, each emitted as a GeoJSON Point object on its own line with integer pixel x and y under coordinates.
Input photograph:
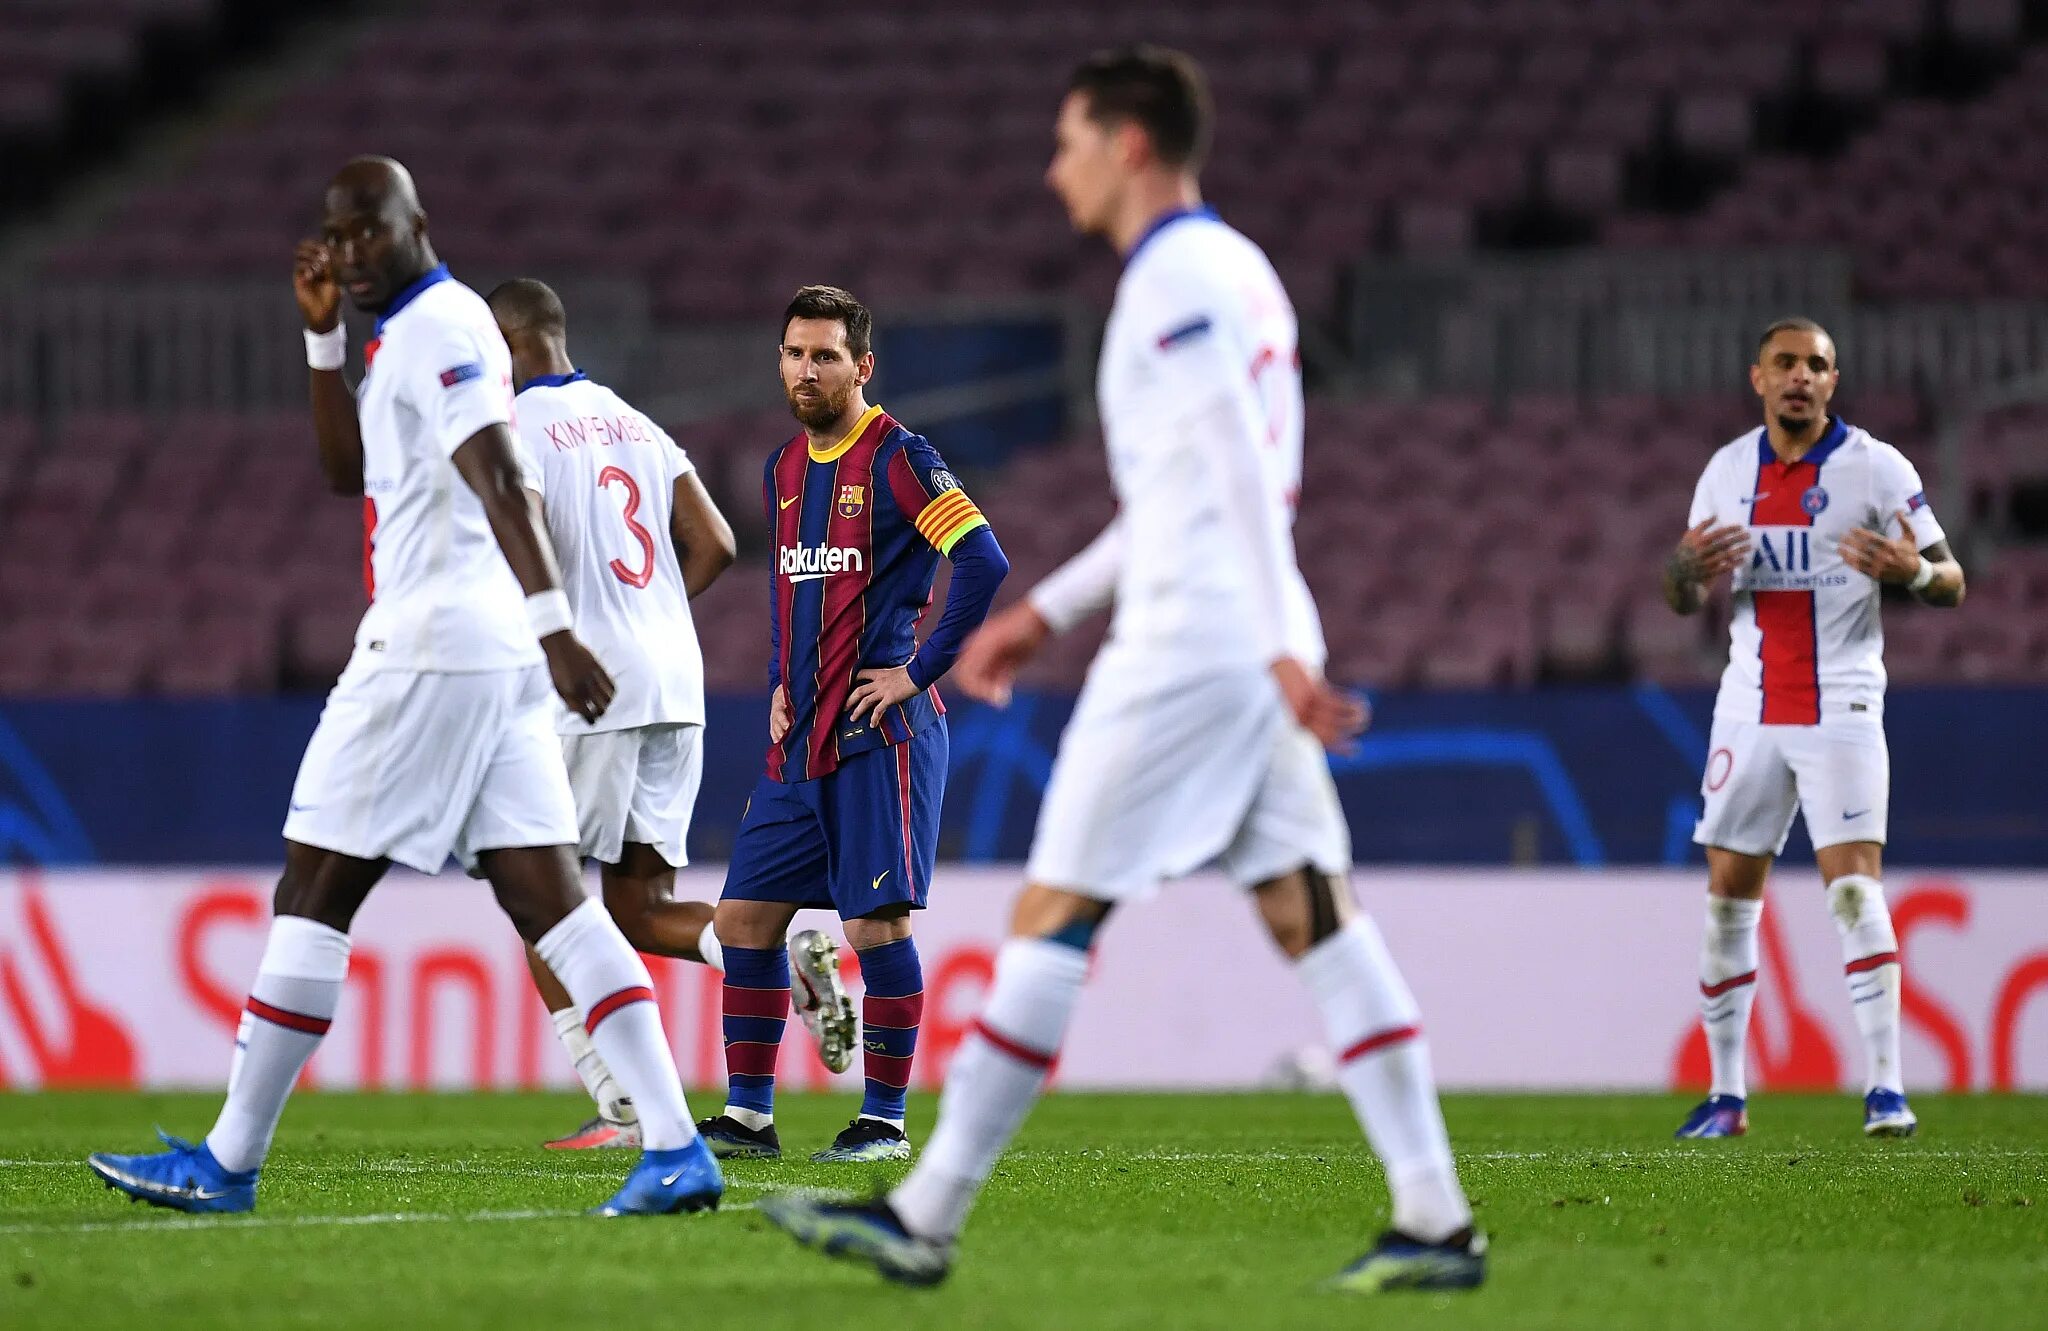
{"type": "Point", "coordinates": [1351, 129]}
{"type": "Point", "coordinates": [1371, 104]}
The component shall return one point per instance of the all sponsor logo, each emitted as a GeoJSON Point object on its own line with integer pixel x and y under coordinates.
{"type": "Point", "coordinates": [1788, 551]}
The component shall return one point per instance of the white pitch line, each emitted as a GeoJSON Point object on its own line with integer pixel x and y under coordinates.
{"type": "Point", "coordinates": [400, 1167]}
{"type": "Point", "coordinates": [409, 1168]}
{"type": "Point", "coordinates": [230, 1223]}
{"type": "Point", "coordinates": [281, 1222]}
{"type": "Point", "coordinates": [1588, 1156]}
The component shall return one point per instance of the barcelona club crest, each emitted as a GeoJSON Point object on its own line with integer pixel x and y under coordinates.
{"type": "Point", "coordinates": [852, 498]}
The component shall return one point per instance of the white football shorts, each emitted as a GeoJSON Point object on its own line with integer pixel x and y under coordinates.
{"type": "Point", "coordinates": [415, 767]}
{"type": "Point", "coordinates": [638, 784]}
{"type": "Point", "coordinates": [1838, 773]}
{"type": "Point", "coordinates": [1156, 781]}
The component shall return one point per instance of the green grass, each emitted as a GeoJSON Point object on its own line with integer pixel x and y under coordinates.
{"type": "Point", "coordinates": [1154, 1212]}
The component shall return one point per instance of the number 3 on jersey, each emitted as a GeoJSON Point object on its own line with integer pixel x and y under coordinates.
{"type": "Point", "coordinates": [632, 577]}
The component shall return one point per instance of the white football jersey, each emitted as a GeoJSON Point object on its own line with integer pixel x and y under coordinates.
{"type": "Point", "coordinates": [1805, 637]}
{"type": "Point", "coordinates": [1199, 389]}
{"type": "Point", "coordinates": [442, 597]}
{"type": "Point", "coordinates": [607, 478]}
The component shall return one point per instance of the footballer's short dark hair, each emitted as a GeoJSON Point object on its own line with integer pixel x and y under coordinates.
{"type": "Point", "coordinates": [1795, 323]}
{"type": "Point", "coordinates": [818, 302]}
{"type": "Point", "coordinates": [528, 304]}
{"type": "Point", "coordinates": [1163, 92]}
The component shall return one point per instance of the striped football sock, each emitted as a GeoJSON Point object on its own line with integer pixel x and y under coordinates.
{"type": "Point", "coordinates": [1728, 988]}
{"type": "Point", "coordinates": [1383, 1067]}
{"type": "Point", "coordinates": [291, 1005]}
{"type": "Point", "coordinates": [1870, 961]}
{"type": "Point", "coordinates": [611, 987]}
{"type": "Point", "coordinates": [992, 1082]}
{"type": "Point", "coordinates": [889, 1014]}
{"type": "Point", "coordinates": [756, 1009]}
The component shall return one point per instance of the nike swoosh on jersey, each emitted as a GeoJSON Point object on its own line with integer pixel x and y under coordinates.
{"type": "Point", "coordinates": [1846, 815]}
{"type": "Point", "coordinates": [877, 884]}
{"type": "Point", "coordinates": [1761, 494]}
{"type": "Point", "coordinates": [785, 503]}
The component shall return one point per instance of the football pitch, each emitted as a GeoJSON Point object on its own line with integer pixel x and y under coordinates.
{"type": "Point", "coordinates": [1150, 1211]}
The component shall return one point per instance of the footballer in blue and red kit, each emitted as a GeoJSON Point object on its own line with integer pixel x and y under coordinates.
{"type": "Point", "coordinates": [859, 530]}
{"type": "Point", "coordinates": [846, 815]}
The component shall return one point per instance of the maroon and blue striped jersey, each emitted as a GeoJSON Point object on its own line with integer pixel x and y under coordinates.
{"type": "Point", "coordinates": [859, 531]}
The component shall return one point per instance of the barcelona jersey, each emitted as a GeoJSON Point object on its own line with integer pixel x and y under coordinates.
{"type": "Point", "coordinates": [859, 531]}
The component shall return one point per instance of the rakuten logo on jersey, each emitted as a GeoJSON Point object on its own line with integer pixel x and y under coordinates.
{"type": "Point", "coordinates": [803, 563]}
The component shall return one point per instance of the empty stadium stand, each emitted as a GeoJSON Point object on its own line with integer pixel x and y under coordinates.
{"type": "Point", "coordinates": [1450, 544]}
{"type": "Point", "coordinates": [703, 156]}
{"type": "Point", "coordinates": [1453, 541]}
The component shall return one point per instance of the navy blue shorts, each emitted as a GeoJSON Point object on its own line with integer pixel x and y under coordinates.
{"type": "Point", "coordinates": [855, 840]}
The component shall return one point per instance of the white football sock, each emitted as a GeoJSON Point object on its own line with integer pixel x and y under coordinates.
{"type": "Point", "coordinates": [709, 948]}
{"type": "Point", "coordinates": [1870, 956]}
{"type": "Point", "coordinates": [994, 1079]}
{"type": "Point", "coordinates": [1383, 1066]}
{"type": "Point", "coordinates": [612, 1100]}
{"type": "Point", "coordinates": [291, 1004]}
{"type": "Point", "coordinates": [1728, 988]}
{"type": "Point", "coordinates": [610, 984]}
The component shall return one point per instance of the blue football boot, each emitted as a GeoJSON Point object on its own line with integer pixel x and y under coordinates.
{"type": "Point", "coordinates": [869, 1232]}
{"type": "Point", "coordinates": [1886, 1114]}
{"type": "Point", "coordinates": [685, 1178]}
{"type": "Point", "coordinates": [1716, 1116]}
{"type": "Point", "coordinates": [1400, 1262]}
{"type": "Point", "coordinates": [184, 1178]}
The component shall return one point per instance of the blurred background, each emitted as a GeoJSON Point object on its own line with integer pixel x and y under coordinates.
{"type": "Point", "coordinates": [1531, 242]}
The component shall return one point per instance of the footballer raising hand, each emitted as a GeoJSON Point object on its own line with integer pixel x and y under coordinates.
{"type": "Point", "coordinates": [313, 284]}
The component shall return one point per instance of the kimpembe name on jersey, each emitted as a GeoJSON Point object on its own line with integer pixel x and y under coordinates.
{"type": "Point", "coordinates": [598, 431]}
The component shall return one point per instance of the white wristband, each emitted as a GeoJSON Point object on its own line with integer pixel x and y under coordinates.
{"type": "Point", "coordinates": [548, 613]}
{"type": "Point", "coordinates": [1922, 576]}
{"type": "Point", "coordinates": [328, 350]}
